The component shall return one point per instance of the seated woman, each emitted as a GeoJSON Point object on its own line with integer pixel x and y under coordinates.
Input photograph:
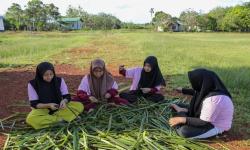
{"type": "Point", "coordinates": [211, 108]}
{"type": "Point", "coordinates": [49, 99]}
{"type": "Point", "coordinates": [147, 81]}
{"type": "Point", "coordinates": [98, 86]}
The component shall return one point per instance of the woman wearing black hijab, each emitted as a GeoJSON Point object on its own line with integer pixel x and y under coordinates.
{"type": "Point", "coordinates": [147, 81]}
{"type": "Point", "coordinates": [210, 111]}
{"type": "Point", "coordinates": [49, 99]}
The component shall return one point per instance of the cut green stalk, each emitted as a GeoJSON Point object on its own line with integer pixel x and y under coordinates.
{"type": "Point", "coordinates": [143, 126]}
{"type": "Point", "coordinates": [110, 122]}
{"type": "Point", "coordinates": [76, 140]}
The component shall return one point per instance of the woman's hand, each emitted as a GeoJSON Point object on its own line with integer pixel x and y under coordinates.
{"type": "Point", "coordinates": [145, 90]}
{"type": "Point", "coordinates": [177, 120]}
{"type": "Point", "coordinates": [107, 96]}
{"type": "Point", "coordinates": [53, 106]}
{"type": "Point", "coordinates": [113, 104]}
{"type": "Point", "coordinates": [177, 108]}
{"type": "Point", "coordinates": [179, 89]}
{"type": "Point", "coordinates": [63, 103]}
{"type": "Point", "coordinates": [121, 67]}
{"type": "Point", "coordinates": [93, 99]}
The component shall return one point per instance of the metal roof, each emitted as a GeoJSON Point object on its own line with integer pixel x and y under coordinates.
{"type": "Point", "coordinates": [71, 19]}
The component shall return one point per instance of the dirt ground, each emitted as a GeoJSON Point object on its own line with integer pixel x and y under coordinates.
{"type": "Point", "coordinates": [13, 95]}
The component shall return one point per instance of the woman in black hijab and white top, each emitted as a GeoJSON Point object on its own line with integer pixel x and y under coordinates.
{"type": "Point", "coordinates": [211, 108]}
{"type": "Point", "coordinates": [147, 81]}
{"type": "Point", "coordinates": [49, 99]}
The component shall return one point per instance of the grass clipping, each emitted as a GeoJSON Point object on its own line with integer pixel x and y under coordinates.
{"type": "Point", "coordinates": [140, 126]}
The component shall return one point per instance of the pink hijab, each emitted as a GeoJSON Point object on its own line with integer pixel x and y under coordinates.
{"type": "Point", "coordinates": [99, 86]}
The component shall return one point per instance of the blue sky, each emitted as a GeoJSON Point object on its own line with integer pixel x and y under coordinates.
{"type": "Point", "coordinates": [131, 10]}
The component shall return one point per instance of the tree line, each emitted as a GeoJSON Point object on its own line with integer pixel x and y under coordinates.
{"type": "Point", "coordinates": [231, 19]}
{"type": "Point", "coordinates": [37, 16]}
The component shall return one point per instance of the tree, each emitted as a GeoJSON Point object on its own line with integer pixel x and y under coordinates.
{"type": "Point", "coordinates": [106, 21]}
{"type": "Point", "coordinates": [75, 12]}
{"type": "Point", "coordinates": [206, 22]}
{"type": "Point", "coordinates": [162, 19]}
{"type": "Point", "coordinates": [246, 4]}
{"type": "Point", "coordinates": [79, 12]}
{"type": "Point", "coordinates": [36, 14]}
{"type": "Point", "coordinates": [52, 12]}
{"type": "Point", "coordinates": [190, 20]}
{"type": "Point", "coordinates": [100, 21]}
{"type": "Point", "coordinates": [218, 14]}
{"type": "Point", "coordinates": [151, 11]}
{"type": "Point", "coordinates": [52, 15]}
{"type": "Point", "coordinates": [7, 25]}
{"type": "Point", "coordinates": [131, 25]}
{"type": "Point", "coordinates": [15, 16]}
{"type": "Point", "coordinates": [237, 19]}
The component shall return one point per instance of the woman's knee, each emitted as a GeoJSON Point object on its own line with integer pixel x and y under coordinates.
{"type": "Point", "coordinates": [156, 97]}
{"type": "Point", "coordinates": [129, 97]}
{"type": "Point", "coordinates": [123, 95]}
{"type": "Point", "coordinates": [184, 131]}
{"type": "Point", "coordinates": [31, 120]}
{"type": "Point", "coordinates": [77, 106]}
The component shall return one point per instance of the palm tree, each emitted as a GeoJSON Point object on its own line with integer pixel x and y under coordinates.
{"type": "Point", "coordinates": [151, 12]}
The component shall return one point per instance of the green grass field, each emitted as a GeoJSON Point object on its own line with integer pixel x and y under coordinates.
{"type": "Point", "coordinates": [228, 54]}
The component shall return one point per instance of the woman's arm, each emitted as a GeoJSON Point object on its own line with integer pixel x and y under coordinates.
{"type": "Point", "coordinates": [188, 91]}
{"type": "Point", "coordinates": [64, 91]}
{"type": "Point", "coordinates": [197, 122]}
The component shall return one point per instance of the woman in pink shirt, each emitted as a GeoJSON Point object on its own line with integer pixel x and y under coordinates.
{"type": "Point", "coordinates": [98, 86]}
{"type": "Point", "coordinates": [49, 99]}
{"type": "Point", "coordinates": [211, 108]}
{"type": "Point", "coordinates": [147, 81]}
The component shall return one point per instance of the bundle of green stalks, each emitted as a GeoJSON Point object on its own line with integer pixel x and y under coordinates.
{"type": "Point", "coordinates": [138, 126]}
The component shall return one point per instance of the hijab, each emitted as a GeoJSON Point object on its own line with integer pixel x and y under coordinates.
{"type": "Point", "coordinates": [154, 77]}
{"type": "Point", "coordinates": [48, 92]}
{"type": "Point", "coordinates": [206, 83]}
{"type": "Point", "coordinates": [99, 86]}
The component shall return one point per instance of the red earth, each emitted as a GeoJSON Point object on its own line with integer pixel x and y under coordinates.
{"type": "Point", "coordinates": [13, 92]}
{"type": "Point", "coordinates": [2, 140]}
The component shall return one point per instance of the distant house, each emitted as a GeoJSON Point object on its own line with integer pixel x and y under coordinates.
{"type": "Point", "coordinates": [1, 24]}
{"type": "Point", "coordinates": [71, 23]}
{"type": "Point", "coordinates": [176, 26]}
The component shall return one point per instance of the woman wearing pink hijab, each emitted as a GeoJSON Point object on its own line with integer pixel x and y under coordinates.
{"type": "Point", "coordinates": [97, 87]}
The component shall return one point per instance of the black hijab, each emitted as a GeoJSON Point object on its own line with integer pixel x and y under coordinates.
{"type": "Point", "coordinates": [152, 78]}
{"type": "Point", "coordinates": [206, 84]}
{"type": "Point", "coordinates": [48, 92]}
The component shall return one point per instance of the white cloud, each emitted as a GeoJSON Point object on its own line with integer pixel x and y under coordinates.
{"type": "Point", "coordinates": [132, 10]}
